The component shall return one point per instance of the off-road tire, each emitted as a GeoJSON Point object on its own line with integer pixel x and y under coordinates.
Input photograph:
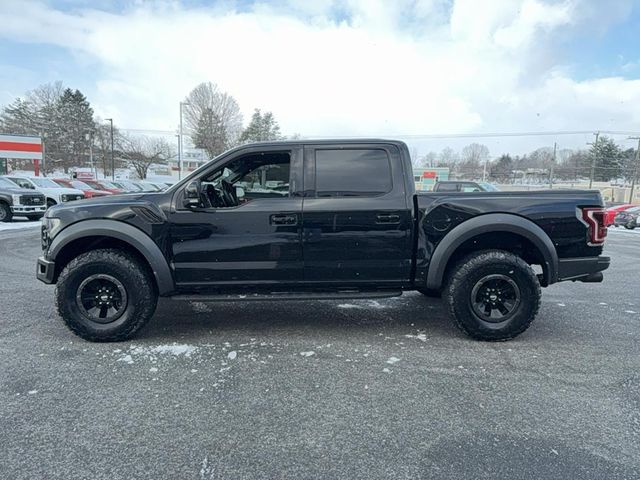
{"type": "Point", "coordinates": [136, 279]}
{"type": "Point", "coordinates": [5, 212]}
{"type": "Point", "coordinates": [470, 272]}
{"type": "Point", "coordinates": [429, 292]}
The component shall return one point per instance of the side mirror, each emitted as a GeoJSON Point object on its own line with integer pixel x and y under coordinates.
{"type": "Point", "coordinates": [192, 195]}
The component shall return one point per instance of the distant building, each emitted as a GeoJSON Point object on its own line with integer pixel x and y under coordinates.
{"type": "Point", "coordinates": [192, 158]}
{"type": "Point", "coordinates": [426, 178]}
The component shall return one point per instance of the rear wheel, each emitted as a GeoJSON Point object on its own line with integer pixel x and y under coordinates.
{"type": "Point", "coordinates": [5, 212]}
{"type": "Point", "coordinates": [105, 295]}
{"type": "Point", "coordinates": [493, 295]}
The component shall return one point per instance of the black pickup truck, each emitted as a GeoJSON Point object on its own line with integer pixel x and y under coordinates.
{"type": "Point", "coordinates": [317, 220]}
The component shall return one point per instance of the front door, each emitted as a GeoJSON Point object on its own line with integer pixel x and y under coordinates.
{"type": "Point", "coordinates": [247, 231]}
{"type": "Point", "coordinates": [357, 224]}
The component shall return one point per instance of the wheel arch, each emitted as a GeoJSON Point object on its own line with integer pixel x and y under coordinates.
{"type": "Point", "coordinates": [510, 230]}
{"type": "Point", "coordinates": [93, 234]}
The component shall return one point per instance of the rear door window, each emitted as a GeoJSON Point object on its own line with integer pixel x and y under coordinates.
{"type": "Point", "coordinates": [352, 172]}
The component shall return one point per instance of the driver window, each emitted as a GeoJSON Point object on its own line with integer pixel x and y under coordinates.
{"type": "Point", "coordinates": [248, 178]}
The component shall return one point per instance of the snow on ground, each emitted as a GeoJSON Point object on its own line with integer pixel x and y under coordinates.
{"type": "Point", "coordinates": [623, 231]}
{"type": "Point", "coordinates": [18, 224]}
{"type": "Point", "coordinates": [152, 353]}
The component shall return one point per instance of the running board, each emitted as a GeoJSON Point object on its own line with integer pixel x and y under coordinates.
{"type": "Point", "coordinates": [261, 297]}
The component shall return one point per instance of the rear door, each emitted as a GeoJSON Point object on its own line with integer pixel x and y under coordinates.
{"type": "Point", "coordinates": [356, 220]}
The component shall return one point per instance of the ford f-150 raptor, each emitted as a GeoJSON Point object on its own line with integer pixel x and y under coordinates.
{"type": "Point", "coordinates": [317, 220]}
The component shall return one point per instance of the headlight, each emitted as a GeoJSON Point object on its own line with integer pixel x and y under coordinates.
{"type": "Point", "coordinates": [16, 199]}
{"type": "Point", "coordinates": [64, 197]}
{"type": "Point", "coordinates": [50, 227]}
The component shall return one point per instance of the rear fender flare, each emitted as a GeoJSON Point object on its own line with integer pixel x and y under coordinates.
{"type": "Point", "coordinates": [126, 233]}
{"type": "Point", "coordinates": [490, 223]}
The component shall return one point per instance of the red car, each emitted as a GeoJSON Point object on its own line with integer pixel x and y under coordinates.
{"type": "Point", "coordinates": [78, 185]}
{"type": "Point", "coordinates": [611, 212]}
{"type": "Point", "coordinates": [103, 185]}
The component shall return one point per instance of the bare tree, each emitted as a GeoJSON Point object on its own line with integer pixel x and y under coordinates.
{"type": "Point", "coordinates": [473, 157]}
{"type": "Point", "coordinates": [140, 152]}
{"type": "Point", "coordinates": [213, 118]}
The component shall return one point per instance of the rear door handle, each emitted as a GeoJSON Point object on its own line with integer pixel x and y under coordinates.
{"type": "Point", "coordinates": [388, 218]}
{"type": "Point", "coordinates": [287, 219]}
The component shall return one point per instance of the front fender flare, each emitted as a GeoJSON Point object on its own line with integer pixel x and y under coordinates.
{"type": "Point", "coordinates": [121, 231]}
{"type": "Point", "coordinates": [490, 223]}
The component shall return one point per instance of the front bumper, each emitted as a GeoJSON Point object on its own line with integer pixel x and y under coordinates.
{"type": "Point", "coordinates": [582, 268]}
{"type": "Point", "coordinates": [45, 270]}
{"type": "Point", "coordinates": [16, 209]}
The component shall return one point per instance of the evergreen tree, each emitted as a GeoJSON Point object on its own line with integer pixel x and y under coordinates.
{"type": "Point", "coordinates": [75, 119]}
{"type": "Point", "coordinates": [261, 128]}
{"type": "Point", "coordinates": [607, 156]}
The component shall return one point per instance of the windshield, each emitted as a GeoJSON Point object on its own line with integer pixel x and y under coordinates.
{"type": "Point", "coordinates": [7, 183]}
{"type": "Point", "coordinates": [489, 187]}
{"type": "Point", "coordinates": [44, 182]}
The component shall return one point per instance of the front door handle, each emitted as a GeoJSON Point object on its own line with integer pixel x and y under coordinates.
{"type": "Point", "coordinates": [387, 218]}
{"type": "Point", "coordinates": [286, 219]}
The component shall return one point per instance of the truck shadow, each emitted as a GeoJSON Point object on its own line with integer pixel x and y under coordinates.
{"type": "Point", "coordinates": [410, 313]}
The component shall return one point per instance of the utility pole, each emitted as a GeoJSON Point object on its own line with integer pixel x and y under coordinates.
{"type": "Point", "coordinates": [636, 168]}
{"type": "Point", "coordinates": [593, 159]}
{"type": "Point", "coordinates": [553, 162]}
{"type": "Point", "coordinates": [113, 163]}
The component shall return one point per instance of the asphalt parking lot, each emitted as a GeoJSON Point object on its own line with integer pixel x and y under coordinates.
{"type": "Point", "coordinates": [364, 389]}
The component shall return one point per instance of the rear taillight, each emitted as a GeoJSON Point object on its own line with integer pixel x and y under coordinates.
{"type": "Point", "coordinates": [594, 217]}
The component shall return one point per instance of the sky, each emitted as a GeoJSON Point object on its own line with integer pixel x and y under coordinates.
{"type": "Point", "coordinates": [399, 69]}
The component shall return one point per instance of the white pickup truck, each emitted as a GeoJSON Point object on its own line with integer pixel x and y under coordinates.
{"type": "Point", "coordinates": [53, 192]}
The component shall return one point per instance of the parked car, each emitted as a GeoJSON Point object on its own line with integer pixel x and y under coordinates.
{"type": "Point", "coordinates": [459, 186]}
{"type": "Point", "coordinates": [53, 192]}
{"type": "Point", "coordinates": [20, 201]}
{"type": "Point", "coordinates": [342, 233]}
{"type": "Point", "coordinates": [611, 212]}
{"type": "Point", "coordinates": [147, 187]}
{"type": "Point", "coordinates": [628, 218]}
{"type": "Point", "coordinates": [127, 186]}
{"type": "Point", "coordinates": [89, 192]}
{"type": "Point", "coordinates": [103, 185]}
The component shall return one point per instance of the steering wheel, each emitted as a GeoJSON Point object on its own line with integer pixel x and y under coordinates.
{"type": "Point", "coordinates": [229, 194]}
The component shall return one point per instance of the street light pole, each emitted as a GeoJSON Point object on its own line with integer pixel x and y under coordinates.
{"type": "Point", "coordinates": [180, 142]}
{"type": "Point", "coordinates": [113, 164]}
{"type": "Point", "coordinates": [635, 169]}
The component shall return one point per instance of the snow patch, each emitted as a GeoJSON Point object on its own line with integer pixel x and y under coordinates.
{"type": "Point", "coordinates": [420, 336]}
{"type": "Point", "coordinates": [126, 359]}
{"type": "Point", "coordinates": [561, 305]}
{"type": "Point", "coordinates": [32, 392]}
{"type": "Point", "coordinates": [386, 370]}
{"type": "Point", "coordinates": [629, 311]}
{"type": "Point", "coordinates": [393, 360]}
{"type": "Point", "coordinates": [232, 355]}
{"type": "Point", "coordinates": [349, 305]}
{"type": "Point", "coordinates": [307, 354]}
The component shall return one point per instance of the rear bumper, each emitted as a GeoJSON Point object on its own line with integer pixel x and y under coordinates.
{"type": "Point", "coordinates": [582, 269]}
{"type": "Point", "coordinates": [45, 270]}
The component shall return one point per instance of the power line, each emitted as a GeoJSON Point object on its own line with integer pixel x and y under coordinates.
{"type": "Point", "coordinates": [483, 135]}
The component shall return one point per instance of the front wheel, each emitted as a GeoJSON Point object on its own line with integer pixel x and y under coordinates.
{"type": "Point", "coordinates": [493, 295]}
{"type": "Point", "coordinates": [105, 295]}
{"type": "Point", "coordinates": [5, 212]}
{"type": "Point", "coordinates": [630, 226]}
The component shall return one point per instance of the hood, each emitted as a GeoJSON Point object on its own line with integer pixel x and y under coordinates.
{"type": "Point", "coordinates": [19, 191]}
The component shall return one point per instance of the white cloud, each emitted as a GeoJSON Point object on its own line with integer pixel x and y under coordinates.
{"type": "Point", "coordinates": [366, 68]}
